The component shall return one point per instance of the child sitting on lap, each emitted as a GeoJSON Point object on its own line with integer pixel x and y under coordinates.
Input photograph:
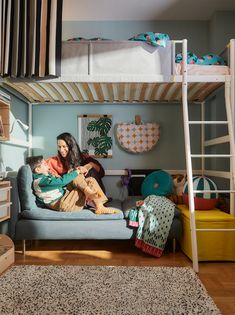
{"type": "Point", "coordinates": [68, 192]}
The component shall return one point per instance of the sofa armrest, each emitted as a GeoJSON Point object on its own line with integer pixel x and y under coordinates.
{"type": "Point", "coordinates": [15, 206]}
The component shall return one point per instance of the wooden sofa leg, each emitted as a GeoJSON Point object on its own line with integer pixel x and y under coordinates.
{"type": "Point", "coordinates": [23, 247]}
{"type": "Point", "coordinates": [173, 245]}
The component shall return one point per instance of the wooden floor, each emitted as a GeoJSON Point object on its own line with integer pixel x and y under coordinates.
{"type": "Point", "coordinates": [217, 277]}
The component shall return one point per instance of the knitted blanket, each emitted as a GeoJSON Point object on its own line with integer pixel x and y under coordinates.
{"type": "Point", "coordinates": [155, 217]}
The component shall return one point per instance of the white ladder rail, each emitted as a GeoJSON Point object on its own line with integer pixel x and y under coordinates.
{"type": "Point", "coordinates": [206, 122]}
{"type": "Point", "coordinates": [229, 103]}
{"type": "Point", "coordinates": [211, 155]}
{"type": "Point", "coordinates": [228, 138]}
{"type": "Point", "coordinates": [229, 106]}
{"type": "Point", "coordinates": [214, 191]}
{"type": "Point", "coordinates": [215, 230]}
{"type": "Point", "coordinates": [188, 159]}
{"type": "Point", "coordinates": [203, 137]}
{"type": "Point", "coordinates": [229, 113]}
{"type": "Point", "coordinates": [232, 69]}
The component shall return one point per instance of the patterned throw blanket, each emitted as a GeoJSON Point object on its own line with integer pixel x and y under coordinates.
{"type": "Point", "coordinates": [155, 217]}
{"type": "Point", "coordinates": [210, 59]}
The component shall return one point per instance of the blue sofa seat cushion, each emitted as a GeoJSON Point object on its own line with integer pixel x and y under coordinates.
{"type": "Point", "coordinates": [83, 215]}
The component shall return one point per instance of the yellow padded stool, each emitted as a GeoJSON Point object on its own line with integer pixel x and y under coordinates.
{"type": "Point", "coordinates": [211, 245]}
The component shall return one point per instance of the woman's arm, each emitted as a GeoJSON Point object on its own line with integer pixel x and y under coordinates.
{"type": "Point", "coordinates": [89, 163]}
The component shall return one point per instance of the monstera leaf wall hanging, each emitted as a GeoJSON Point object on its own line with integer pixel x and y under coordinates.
{"type": "Point", "coordinates": [95, 135]}
{"type": "Point", "coordinates": [138, 137]}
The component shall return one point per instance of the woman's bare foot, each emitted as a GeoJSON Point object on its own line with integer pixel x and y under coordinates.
{"type": "Point", "coordinates": [105, 210]}
{"type": "Point", "coordinates": [91, 194]}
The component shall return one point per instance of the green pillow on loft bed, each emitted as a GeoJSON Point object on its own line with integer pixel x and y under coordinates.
{"type": "Point", "coordinates": [152, 38]}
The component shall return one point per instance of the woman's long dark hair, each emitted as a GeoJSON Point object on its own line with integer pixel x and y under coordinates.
{"type": "Point", "coordinates": [74, 157]}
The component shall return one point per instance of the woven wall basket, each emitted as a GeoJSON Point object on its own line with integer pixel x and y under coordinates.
{"type": "Point", "coordinates": [138, 138]}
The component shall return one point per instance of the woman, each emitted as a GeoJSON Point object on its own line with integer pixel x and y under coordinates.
{"type": "Point", "coordinates": [70, 156]}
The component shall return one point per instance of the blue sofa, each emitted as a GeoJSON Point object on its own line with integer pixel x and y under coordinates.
{"type": "Point", "coordinates": [29, 222]}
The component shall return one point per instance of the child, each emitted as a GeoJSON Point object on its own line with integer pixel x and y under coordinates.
{"type": "Point", "coordinates": [67, 193]}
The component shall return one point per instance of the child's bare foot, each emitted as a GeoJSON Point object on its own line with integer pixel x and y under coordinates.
{"type": "Point", "coordinates": [105, 210]}
{"type": "Point", "coordinates": [91, 194]}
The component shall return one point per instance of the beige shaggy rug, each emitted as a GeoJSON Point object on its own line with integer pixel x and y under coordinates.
{"type": "Point", "coordinates": [78, 290]}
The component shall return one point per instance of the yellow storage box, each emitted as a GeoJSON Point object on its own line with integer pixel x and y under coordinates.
{"type": "Point", "coordinates": [211, 245]}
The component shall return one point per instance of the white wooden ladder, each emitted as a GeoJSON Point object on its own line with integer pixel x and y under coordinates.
{"type": "Point", "coordinates": [229, 98]}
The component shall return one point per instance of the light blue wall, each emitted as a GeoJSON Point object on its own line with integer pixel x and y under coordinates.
{"type": "Point", "coordinates": [51, 120]}
{"type": "Point", "coordinates": [222, 29]}
{"type": "Point", "coordinates": [14, 156]}
{"type": "Point", "coordinates": [167, 154]}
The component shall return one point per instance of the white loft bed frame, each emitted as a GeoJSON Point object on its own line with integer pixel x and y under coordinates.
{"type": "Point", "coordinates": [37, 92]}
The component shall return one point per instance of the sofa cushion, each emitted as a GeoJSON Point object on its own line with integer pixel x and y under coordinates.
{"type": "Point", "coordinates": [24, 181]}
{"type": "Point", "coordinates": [83, 215]}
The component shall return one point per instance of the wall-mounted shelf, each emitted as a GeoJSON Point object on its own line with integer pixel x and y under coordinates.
{"type": "Point", "coordinates": [4, 121]}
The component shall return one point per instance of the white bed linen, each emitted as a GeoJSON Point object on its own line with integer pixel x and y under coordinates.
{"type": "Point", "coordinates": [202, 69]}
{"type": "Point", "coordinates": [114, 58]}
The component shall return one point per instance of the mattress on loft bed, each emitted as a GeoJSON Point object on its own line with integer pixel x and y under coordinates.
{"type": "Point", "coordinates": [114, 58]}
{"type": "Point", "coordinates": [202, 69]}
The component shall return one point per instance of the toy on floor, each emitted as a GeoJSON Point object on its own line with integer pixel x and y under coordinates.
{"type": "Point", "coordinates": [202, 200]}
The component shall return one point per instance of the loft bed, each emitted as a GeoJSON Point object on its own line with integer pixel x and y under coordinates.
{"type": "Point", "coordinates": [120, 71]}
{"type": "Point", "coordinates": [131, 72]}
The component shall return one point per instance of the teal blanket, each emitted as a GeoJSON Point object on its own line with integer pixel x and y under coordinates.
{"type": "Point", "coordinates": [155, 217]}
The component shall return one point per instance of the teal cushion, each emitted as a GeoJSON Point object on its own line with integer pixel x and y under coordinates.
{"type": "Point", "coordinates": [157, 183]}
{"type": "Point", "coordinates": [24, 182]}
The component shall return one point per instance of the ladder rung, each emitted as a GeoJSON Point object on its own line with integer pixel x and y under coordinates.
{"type": "Point", "coordinates": [216, 141]}
{"type": "Point", "coordinates": [208, 122]}
{"type": "Point", "coordinates": [211, 155]}
{"type": "Point", "coordinates": [214, 191]}
{"type": "Point", "coordinates": [215, 230]}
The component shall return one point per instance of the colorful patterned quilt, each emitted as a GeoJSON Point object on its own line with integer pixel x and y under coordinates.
{"type": "Point", "coordinates": [210, 59]}
{"type": "Point", "coordinates": [155, 217]}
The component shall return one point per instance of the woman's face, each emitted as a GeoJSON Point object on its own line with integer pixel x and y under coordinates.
{"type": "Point", "coordinates": [62, 148]}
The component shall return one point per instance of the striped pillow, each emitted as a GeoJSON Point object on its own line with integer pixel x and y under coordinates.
{"type": "Point", "coordinates": [202, 200]}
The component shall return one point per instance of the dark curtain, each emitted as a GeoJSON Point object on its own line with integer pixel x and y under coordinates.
{"type": "Point", "coordinates": [30, 38]}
